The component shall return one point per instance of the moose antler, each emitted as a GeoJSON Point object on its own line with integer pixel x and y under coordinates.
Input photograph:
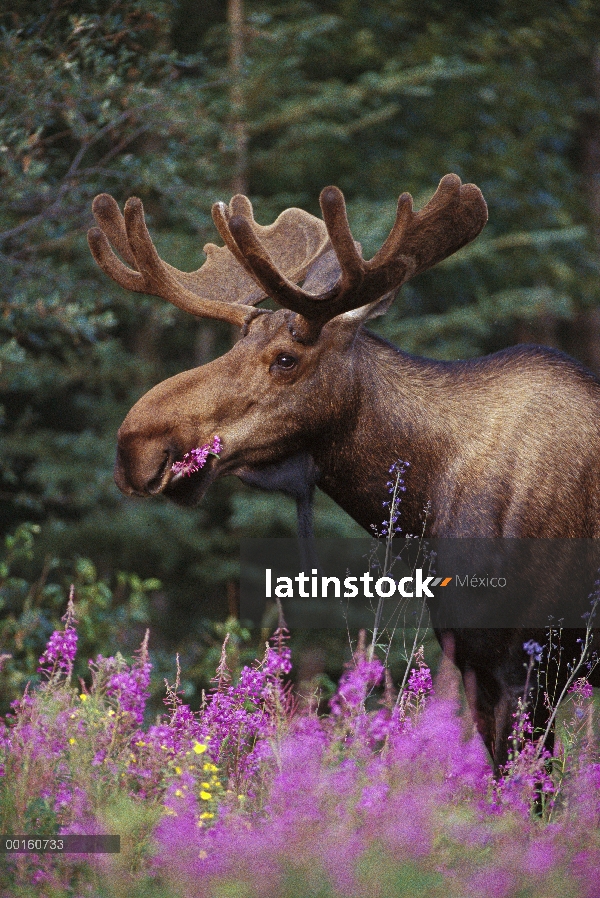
{"type": "Point", "coordinates": [225, 285]}
{"type": "Point", "coordinates": [265, 261]}
{"type": "Point", "coordinates": [418, 240]}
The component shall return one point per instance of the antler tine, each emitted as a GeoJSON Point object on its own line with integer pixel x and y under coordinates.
{"type": "Point", "coordinates": [452, 218]}
{"type": "Point", "coordinates": [108, 215]}
{"type": "Point", "coordinates": [164, 279]}
{"type": "Point", "coordinates": [112, 230]}
{"type": "Point", "coordinates": [275, 284]}
{"type": "Point", "coordinates": [110, 265]}
{"type": "Point", "coordinates": [393, 242]}
{"type": "Point", "coordinates": [335, 217]}
{"type": "Point", "coordinates": [280, 288]}
{"type": "Point", "coordinates": [296, 238]}
{"type": "Point", "coordinates": [221, 216]}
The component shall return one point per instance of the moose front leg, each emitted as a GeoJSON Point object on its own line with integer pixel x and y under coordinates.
{"type": "Point", "coordinates": [493, 706]}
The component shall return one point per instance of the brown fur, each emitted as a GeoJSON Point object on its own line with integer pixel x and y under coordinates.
{"type": "Point", "coordinates": [503, 446]}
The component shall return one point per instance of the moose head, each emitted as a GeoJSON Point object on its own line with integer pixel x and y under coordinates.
{"type": "Point", "coordinates": [289, 387]}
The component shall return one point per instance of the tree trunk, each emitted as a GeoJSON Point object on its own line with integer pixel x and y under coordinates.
{"type": "Point", "coordinates": [235, 19]}
{"type": "Point", "coordinates": [588, 331]}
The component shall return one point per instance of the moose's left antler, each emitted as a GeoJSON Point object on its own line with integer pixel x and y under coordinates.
{"type": "Point", "coordinates": [225, 285]}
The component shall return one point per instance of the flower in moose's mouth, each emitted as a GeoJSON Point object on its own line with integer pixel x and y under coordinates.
{"type": "Point", "coordinates": [195, 459]}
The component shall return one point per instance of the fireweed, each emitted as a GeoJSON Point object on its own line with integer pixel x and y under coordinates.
{"type": "Point", "coordinates": [253, 795]}
{"type": "Point", "coordinates": [196, 458]}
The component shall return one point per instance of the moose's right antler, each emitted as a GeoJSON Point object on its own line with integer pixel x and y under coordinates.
{"type": "Point", "coordinates": [418, 240]}
{"type": "Point", "coordinates": [225, 285]}
{"type": "Point", "coordinates": [262, 261]}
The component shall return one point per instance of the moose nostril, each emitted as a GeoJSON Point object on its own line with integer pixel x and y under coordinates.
{"type": "Point", "coordinates": [154, 485]}
{"type": "Point", "coordinates": [142, 470]}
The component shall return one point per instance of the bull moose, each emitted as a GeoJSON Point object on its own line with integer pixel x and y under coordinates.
{"type": "Point", "coordinates": [502, 446]}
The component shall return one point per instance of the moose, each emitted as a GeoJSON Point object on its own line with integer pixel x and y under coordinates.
{"type": "Point", "coordinates": [502, 446]}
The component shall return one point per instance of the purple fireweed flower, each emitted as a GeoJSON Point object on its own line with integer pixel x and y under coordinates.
{"type": "Point", "coordinates": [61, 648]}
{"type": "Point", "coordinates": [526, 774]}
{"type": "Point", "coordinates": [581, 688]}
{"type": "Point", "coordinates": [60, 652]}
{"type": "Point", "coordinates": [355, 685]}
{"type": "Point", "coordinates": [195, 459]}
{"type": "Point", "coordinates": [130, 686]}
{"type": "Point", "coordinates": [419, 687]}
{"type": "Point", "coordinates": [278, 657]}
{"type": "Point", "coordinates": [420, 682]}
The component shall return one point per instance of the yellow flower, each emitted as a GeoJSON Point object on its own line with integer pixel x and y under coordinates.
{"type": "Point", "coordinates": [141, 742]}
{"type": "Point", "coordinates": [178, 793]}
{"type": "Point", "coordinates": [205, 785]}
{"type": "Point", "coordinates": [178, 770]}
{"type": "Point", "coordinates": [206, 815]}
{"type": "Point", "coordinates": [205, 796]}
{"type": "Point", "coordinates": [83, 697]}
{"type": "Point", "coordinates": [210, 768]}
{"type": "Point", "coordinates": [72, 741]}
{"type": "Point", "coordinates": [111, 713]}
{"type": "Point", "coordinates": [199, 748]}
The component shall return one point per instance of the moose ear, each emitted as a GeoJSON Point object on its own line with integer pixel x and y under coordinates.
{"type": "Point", "coordinates": [371, 310]}
{"type": "Point", "coordinates": [323, 274]}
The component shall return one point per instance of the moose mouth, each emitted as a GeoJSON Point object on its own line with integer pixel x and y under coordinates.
{"type": "Point", "coordinates": [188, 489]}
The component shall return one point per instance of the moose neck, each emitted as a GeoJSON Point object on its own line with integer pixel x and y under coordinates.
{"type": "Point", "coordinates": [398, 411]}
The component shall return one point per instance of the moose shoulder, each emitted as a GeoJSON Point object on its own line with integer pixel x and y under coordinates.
{"type": "Point", "coordinates": [502, 446]}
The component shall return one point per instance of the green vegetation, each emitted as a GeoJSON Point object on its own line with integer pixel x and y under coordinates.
{"type": "Point", "coordinates": [150, 99]}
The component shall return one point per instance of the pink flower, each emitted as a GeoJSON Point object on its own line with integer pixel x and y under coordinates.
{"type": "Point", "coordinates": [195, 459]}
{"type": "Point", "coordinates": [581, 688]}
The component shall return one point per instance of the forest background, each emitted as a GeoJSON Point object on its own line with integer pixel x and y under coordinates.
{"type": "Point", "coordinates": [186, 103]}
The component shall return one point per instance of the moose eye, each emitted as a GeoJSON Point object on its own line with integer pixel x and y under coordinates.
{"type": "Point", "coordinates": [285, 361]}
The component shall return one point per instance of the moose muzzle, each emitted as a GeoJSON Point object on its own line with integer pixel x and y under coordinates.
{"type": "Point", "coordinates": [142, 469]}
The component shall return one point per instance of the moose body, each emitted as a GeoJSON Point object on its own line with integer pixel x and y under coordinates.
{"type": "Point", "coordinates": [502, 446]}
